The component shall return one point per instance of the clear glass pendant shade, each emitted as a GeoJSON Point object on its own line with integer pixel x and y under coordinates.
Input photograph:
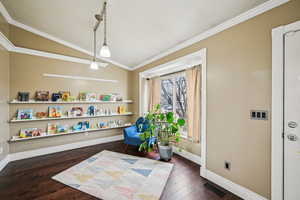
{"type": "Point", "coordinates": [94, 65]}
{"type": "Point", "coordinates": [105, 52]}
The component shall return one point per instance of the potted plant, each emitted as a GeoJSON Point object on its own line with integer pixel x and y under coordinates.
{"type": "Point", "coordinates": [166, 128]}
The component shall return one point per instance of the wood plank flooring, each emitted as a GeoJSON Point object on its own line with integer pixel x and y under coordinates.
{"type": "Point", "coordinates": [30, 179]}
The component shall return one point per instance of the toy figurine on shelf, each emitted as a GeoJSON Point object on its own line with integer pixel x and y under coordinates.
{"type": "Point", "coordinates": [77, 127]}
{"type": "Point", "coordinates": [82, 96]}
{"type": "Point", "coordinates": [62, 128]}
{"type": "Point", "coordinates": [41, 115]}
{"type": "Point", "coordinates": [105, 97]}
{"type": "Point", "coordinates": [65, 95]}
{"type": "Point", "coordinates": [23, 96]}
{"type": "Point", "coordinates": [25, 114]}
{"type": "Point", "coordinates": [91, 111]}
{"type": "Point", "coordinates": [91, 96]}
{"type": "Point", "coordinates": [72, 98]}
{"type": "Point", "coordinates": [56, 97]}
{"type": "Point", "coordinates": [85, 125]}
{"type": "Point", "coordinates": [42, 96]}
{"type": "Point", "coordinates": [121, 109]}
{"type": "Point", "coordinates": [101, 125]}
{"type": "Point", "coordinates": [76, 112]}
{"type": "Point", "coordinates": [55, 111]}
{"type": "Point", "coordinates": [116, 97]}
{"type": "Point", "coordinates": [30, 132]}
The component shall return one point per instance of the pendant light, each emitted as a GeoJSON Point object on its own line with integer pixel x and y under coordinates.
{"type": "Point", "coordinates": [105, 52]}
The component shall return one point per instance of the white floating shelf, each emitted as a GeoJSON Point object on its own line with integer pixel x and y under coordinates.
{"type": "Point", "coordinates": [66, 117]}
{"type": "Point", "coordinates": [61, 134]}
{"type": "Point", "coordinates": [69, 102]}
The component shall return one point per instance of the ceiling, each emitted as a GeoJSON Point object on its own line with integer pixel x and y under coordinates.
{"type": "Point", "coordinates": [137, 29]}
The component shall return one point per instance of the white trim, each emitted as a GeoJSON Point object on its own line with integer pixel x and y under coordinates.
{"type": "Point", "coordinates": [236, 189]}
{"type": "Point", "coordinates": [55, 56]}
{"type": "Point", "coordinates": [55, 149]}
{"type": "Point", "coordinates": [187, 155]}
{"type": "Point", "coordinates": [277, 107]}
{"type": "Point", "coordinates": [277, 113]}
{"type": "Point", "coordinates": [177, 64]}
{"type": "Point", "coordinates": [60, 148]}
{"type": "Point", "coordinates": [79, 78]}
{"type": "Point", "coordinates": [6, 43]}
{"type": "Point", "coordinates": [217, 29]}
{"type": "Point", "coordinates": [11, 21]}
{"type": "Point", "coordinates": [203, 112]}
{"type": "Point", "coordinates": [4, 162]}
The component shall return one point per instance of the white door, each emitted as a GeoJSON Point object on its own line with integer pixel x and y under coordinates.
{"type": "Point", "coordinates": [292, 117]}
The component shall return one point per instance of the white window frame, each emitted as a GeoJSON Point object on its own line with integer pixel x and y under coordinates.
{"type": "Point", "coordinates": [182, 63]}
{"type": "Point", "coordinates": [173, 77]}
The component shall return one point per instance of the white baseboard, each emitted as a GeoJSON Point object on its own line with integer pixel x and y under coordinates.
{"type": "Point", "coordinates": [4, 162]}
{"type": "Point", "coordinates": [233, 187]}
{"type": "Point", "coordinates": [65, 147]}
{"type": "Point", "coordinates": [187, 155]}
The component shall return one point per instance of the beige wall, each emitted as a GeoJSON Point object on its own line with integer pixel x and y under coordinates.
{"type": "Point", "coordinates": [22, 38]}
{"type": "Point", "coordinates": [4, 96]}
{"type": "Point", "coordinates": [4, 91]}
{"type": "Point", "coordinates": [239, 79]}
{"type": "Point", "coordinates": [26, 75]}
{"type": "Point", "coordinates": [4, 26]}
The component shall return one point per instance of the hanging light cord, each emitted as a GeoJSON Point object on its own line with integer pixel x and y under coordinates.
{"type": "Point", "coordinates": [105, 19]}
{"type": "Point", "coordinates": [94, 59]}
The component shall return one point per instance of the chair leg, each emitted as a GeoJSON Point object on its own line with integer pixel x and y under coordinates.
{"type": "Point", "coordinates": [126, 148]}
{"type": "Point", "coordinates": [155, 147]}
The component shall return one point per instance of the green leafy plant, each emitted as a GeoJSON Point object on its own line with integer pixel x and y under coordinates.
{"type": "Point", "coordinates": [164, 125]}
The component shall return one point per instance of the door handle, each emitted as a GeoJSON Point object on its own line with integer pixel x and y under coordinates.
{"type": "Point", "coordinates": [292, 137]}
{"type": "Point", "coordinates": [292, 124]}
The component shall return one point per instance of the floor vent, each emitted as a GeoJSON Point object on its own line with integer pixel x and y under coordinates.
{"type": "Point", "coordinates": [215, 189]}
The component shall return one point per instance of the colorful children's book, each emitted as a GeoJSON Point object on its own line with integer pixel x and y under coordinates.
{"type": "Point", "coordinates": [55, 111]}
{"type": "Point", "coordinates": [52, 129]}
{"type": "Point", "coordinates": [30, 132]}
{"type": "Point", "coordinates": [25, 114]}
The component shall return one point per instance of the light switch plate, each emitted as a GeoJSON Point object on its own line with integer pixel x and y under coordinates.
{"type": "Point", "coordinates": [259, 114]}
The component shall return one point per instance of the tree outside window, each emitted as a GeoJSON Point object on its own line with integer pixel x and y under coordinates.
{"type": "Point", "coordinates": [173, 96]}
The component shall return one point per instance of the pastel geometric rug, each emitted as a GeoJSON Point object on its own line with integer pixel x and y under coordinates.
{"type": "Point", "coordinates": [115, 176]}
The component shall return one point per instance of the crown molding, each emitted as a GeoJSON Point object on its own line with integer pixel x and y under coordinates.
{"type": "Point", "coordinates": [217, 29]}
{"type": "Point", "coordinates": [11, 21]}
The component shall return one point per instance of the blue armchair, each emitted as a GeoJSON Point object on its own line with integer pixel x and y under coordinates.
{"type": "Point", "coordinates": [132, 133]}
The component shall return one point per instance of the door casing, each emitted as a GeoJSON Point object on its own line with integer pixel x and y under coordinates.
{"type": "Point", "coordinates": [277, 188]}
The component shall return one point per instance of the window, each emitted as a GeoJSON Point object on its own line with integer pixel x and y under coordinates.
{"type": "Point", "coordinates": [173, 96]}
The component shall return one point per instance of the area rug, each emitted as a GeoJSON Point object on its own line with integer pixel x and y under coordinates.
{"type": "Point", "coordinates": [115, 176]}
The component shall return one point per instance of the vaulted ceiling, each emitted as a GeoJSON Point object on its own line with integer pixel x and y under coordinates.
{"type": "Point", "coordinates": [137, 29]}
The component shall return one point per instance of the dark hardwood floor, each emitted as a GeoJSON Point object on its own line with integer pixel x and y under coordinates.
{"type": "Point", "coordinates": [30, 179]}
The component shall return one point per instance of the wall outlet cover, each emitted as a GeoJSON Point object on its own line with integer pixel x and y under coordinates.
{"type": "Point", "coordinates": [227, 165]}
